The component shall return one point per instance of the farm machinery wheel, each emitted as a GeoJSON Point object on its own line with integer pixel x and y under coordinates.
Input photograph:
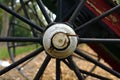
{"type": "Point", "coordinates": [61, 36]}
{"type": "Point", "coordinates": [29, 10]}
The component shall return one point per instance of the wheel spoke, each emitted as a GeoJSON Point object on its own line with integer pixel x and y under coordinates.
{"type": "Point", "coordinates": [98, 40]}
{"type": "Point", "coordinates": [25, 3]}
{"type": "Point", "coordinates": [58, 70]}
{"type": "Point", "coordinates": [81, 58]}
{"type": "Point", "coordinates": [13, 53]}
{"type": "Point", "coordinates": [21, 18]}
{"type": "Point", "coordinates": [77, 51]}
{"type": "Point", "coordinates": [23, 27]}
{"type": "Point", "coordinates": [36, 52]}
{"type": "Point", "coordinates": [20, 45]}
{"type": "Point", "coordinates": [42, 68]}
{"type": "Point", "coordinates": [24, 9]}
{"type": "Point", "coordinates": [94, 75]}
{"type": "Point", "coordinates": [27, 16]}
{"type": "Point", "coordinates": [42, 7]}
{"type": "Point", "coordinates": [76, 12]}
{"type": "Point", "coordinates": [36, 14]}
{"type": "Point", "coordinates": [75, 68]}
{"type": "Point", "coordinates": [87, 73]}
{"type": "Point", "coordinates": [22, 73]}
{"type": "Point", "coordinates": [26, 62]}
{"type": "Point", "coordinates": [68, 14]}
{"type": "Point", "coordinates": [20, 39]}
{"type": "Point", "coordinates": [98, 17]}
{"type": "Point", "coordinates": [59, 11]}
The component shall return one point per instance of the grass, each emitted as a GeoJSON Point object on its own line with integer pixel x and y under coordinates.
{"type": "Point", "coordinates": [19, 50]}
{"type": "Point", "coordinates": [3, 52]}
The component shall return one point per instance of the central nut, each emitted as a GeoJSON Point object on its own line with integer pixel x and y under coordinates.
{"type": "Point", "coordinates": [60, 41]}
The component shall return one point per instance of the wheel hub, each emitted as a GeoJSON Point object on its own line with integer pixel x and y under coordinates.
{"type": "Point", "coordinates": [58, 40]}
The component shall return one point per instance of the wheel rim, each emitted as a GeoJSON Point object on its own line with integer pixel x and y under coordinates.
{"type": "Point", "coordinates": [70, 63]}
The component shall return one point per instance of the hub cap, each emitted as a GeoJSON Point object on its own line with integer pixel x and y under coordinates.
{"type": "Point", "coordinates": [59, 40]}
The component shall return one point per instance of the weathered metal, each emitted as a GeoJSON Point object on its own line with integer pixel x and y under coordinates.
{"type": "Point", "coordinates": [59, 40]}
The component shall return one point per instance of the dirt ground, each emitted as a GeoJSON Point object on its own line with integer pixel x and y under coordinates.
{"type": "Point", "coordinates": [32, 67]}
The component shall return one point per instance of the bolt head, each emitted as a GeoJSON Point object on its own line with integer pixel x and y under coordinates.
{"type": "Point", "coordinates": [60, 41]}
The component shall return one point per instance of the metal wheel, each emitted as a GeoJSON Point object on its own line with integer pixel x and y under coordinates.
{"type": "Point", "coordinates": [28, 9]}
{"type": "Point", "coordinates": [16, 26]}
{"type": "Point", "coordinates": [60, 38]}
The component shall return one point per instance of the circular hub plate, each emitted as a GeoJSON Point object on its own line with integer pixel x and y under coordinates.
{"type": "Point", "coordinates": [58, 40]}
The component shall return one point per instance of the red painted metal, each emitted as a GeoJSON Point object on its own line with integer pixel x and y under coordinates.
{"type": "Point", "coordinates": [98, 7]}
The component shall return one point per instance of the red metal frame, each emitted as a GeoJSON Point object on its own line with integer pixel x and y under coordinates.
{"type": "Point", "coordinates": [98, 7]}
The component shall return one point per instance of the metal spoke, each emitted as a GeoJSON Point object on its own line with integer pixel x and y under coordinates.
{"type": "Point", "coordinates": [21, 18]}
{"type": "Point", "coordinates": [20, 39]}
{"type": "Point", "coordinates": [13, 53]}
{"type": "Point", "coordinates": [76, 12]}
{"type": "Point", "coordinates": [42, 68]}
{"type": "Point", "coordinates": [98, 17]}
{"type": "Point", "coordinates": [22, 73]}
{"type": "Point", "coordinates": [58, 70]}
{"type": "Point", "coordinates": [59, 11]}
{"type": "Point", "coordinates": [81, 58]}
{"type": "Point", "coordinates": [98, 40]}
{"type": "Point", "coordinates": [66, 15]}
{"type": "Point", "coordinates": [77, 51]}
{"type": "Point", "coordinates": [26, 63]}
{"type": "Point", "coordinates": [27, 16]}
{"type": "Point", "coordinates": [42, 7]}
{"type": "Point", "coordinates": [34, 53]}
{"type": "Point", "coordinates": [21, 26]}
{"type": "Point", "coordinates": [75, 68]}
{"type": "Point", "coordinates": [19, 45]}
{"type": "Point", "coordinates": [94, 75]}
{"type": "Point", "coordinates": [36, 14]}
{"type": "Point", "coordinates": [24, 9]}
{"type": "Point", "coordinates": [25, 3]}
{"type": "Point", "coordinates": [87, 73]}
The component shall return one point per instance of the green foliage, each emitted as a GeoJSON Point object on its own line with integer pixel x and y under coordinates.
{"type": "Point", "coordinates": [19, 32]}
{"type": "Point", "coordinates": [21, 29]}
{"type": "Point", "coordinates": [1, 14]}
{"type": "Point", "coordinates": [20, 50]}
{"type": "Point", "coordinates": [5, 1]}
{"type": "Point", "coordinates": [117, 1]}
{"type": "Point", "coordinates": [3, 52]}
